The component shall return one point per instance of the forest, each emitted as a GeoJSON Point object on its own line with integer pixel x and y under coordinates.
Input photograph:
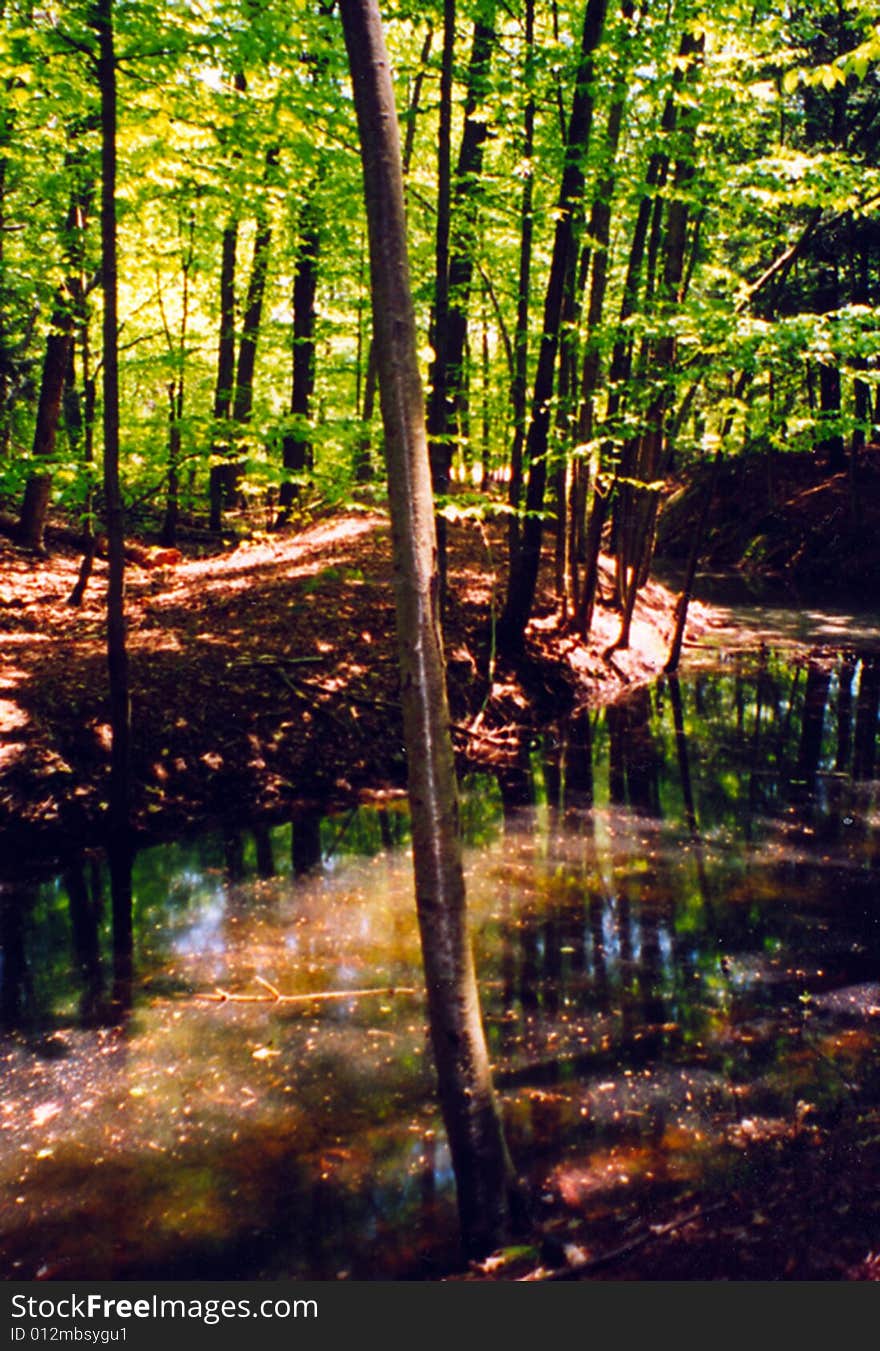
{"type": "Point", "coordinates": [542, 336]}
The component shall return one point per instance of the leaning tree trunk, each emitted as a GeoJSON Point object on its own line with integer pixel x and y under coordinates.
{"type": "Point", "coordinates": [482, 1166]}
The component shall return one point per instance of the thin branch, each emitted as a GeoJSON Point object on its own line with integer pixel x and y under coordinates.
{"type": "Point", "coordinates": [274, 996]}
{"type": "Point", "coordinates": [578, 1269]}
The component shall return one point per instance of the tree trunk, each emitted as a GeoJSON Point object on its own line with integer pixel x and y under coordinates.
{"type": "Point", "coordinates": [519, 383]}
{"type": "Point", "coordinates": [117, 655]}
{"type": "Point", "coordinates": [830, 444]}
{"type": "Point", "coordinates": [223, 389]}
{"type": "Point", "coordinates": [438, 399]}
{"type": "Point", "coordinates": [599, 232]}
{"type": "Point", "coordinates": [297, 448]}
{"type": "Point", "coordinates": [57, 363]}
{"type": "Point", "coordinates": [638, 502]}
{"type": "Point", "coordinates": [523, 575]}
{"type": "Point", "coordinates": [363, 464]}
{"type": "Point", "coordinates": [482, 1166]}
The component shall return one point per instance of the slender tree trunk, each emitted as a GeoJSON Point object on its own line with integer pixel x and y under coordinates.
{"type": "Point", "coordinates": [523, 575]}
{"type": "Point", "coordinates": [519, 383]}
{"type": "Point", "coordinates": [176, 392]}
{"type": "Point", "coordinates": [91, 544]}
{"type": "Point", "coordinates": [363, 461]}
{"type": "Point", "coordinates": [639, 501]}
{"type": "Point", "coordinates": [35, 504]}
{"type": "Point", "coordinates": [250, 333]}
{"type": "Point", "coordinates": [58, 357]}
{"type": "Point", "coordinates": [462, 238]}
{"type": "Point", "coordinates": [830, 444]}
{"type": "Point", "coordinates": [480, 1159]}
{"type": "Point", "coordinates": [243, 392]}
{"type": "Point", "coordinates": [297, 449]}
{"type": "Point", "coordinates": [117, 654]}
{"type": "Point", "coordinates": [438, 399]}
{"type": "Point", "coordinates": [223, 390]}
{"type": "Point", "coordinates": [599, 231]}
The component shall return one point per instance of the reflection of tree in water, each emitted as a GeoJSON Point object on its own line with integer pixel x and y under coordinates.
{"type": "Point", "coordinates": [305, 840]}
{"type": "Point", "coordinates": [86, 900]}
{"type": "Point", "coordinates": [121, 859]}
{"type": "Point", "coordinates": [633, 765]}
{"type": "Point", "coordinates": [865, 739]}
{"type": "Point", "coordinates": [265, 854]}
{"type": "Point", "coordinates": [812, 725]}
{"type": "Point", "coordinates": [16, 987]}
{"type": "Point", "coordinates": [845, 677]}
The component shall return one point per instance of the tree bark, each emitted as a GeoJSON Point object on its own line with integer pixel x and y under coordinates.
{"type": "Point", "coordinates": [223, 389]}
{"type": "Point", "coordinates": [58, 358]}
{"type": "Point", "coordinates": [297, 449]}
{"type": "Point", "coordinates": [519, 383]}
{"type": "Point", "coordinates": [438, 397]}
{"type": "Point", "coordinates": [482, 1166]}
{"type": "Point", "coordinates": [523, 575]}
{"type": "Point", "coordinates": [117, 654]}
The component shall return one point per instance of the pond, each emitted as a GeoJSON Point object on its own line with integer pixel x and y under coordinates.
{"type": "Point", "coordinates": [675, 914]}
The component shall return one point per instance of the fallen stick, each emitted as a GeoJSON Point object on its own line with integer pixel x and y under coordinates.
{"type": "Point", "coordinates": [577, 1269]}
{"type": "Point", "coordinates": [221, 996]}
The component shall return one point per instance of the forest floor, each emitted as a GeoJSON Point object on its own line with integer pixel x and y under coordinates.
{"type": "Point", "coordinates": [780, 1201]}
{"type": "Point", "coordinates": [265, 674]}
{"type": "Point", "coordinates": [785, 519]}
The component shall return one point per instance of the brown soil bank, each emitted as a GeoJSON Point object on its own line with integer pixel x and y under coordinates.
{"type": "Point", "coordinates": [262, 676]}
{"type": "Point", "coordinates": [784, 517]}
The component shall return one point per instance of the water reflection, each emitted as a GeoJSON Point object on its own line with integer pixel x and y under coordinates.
{"type": "Point", "coordinates": [676, 927]}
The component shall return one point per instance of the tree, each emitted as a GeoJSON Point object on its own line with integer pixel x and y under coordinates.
{"type": "Point", "coordinates": [117, 652]}
{"type": "Point", "coordinates": [69, 300]}
{"type": "Point", "coordinates": [523, 576]}
{"type": "Point", "coordinates": [483, 1170]}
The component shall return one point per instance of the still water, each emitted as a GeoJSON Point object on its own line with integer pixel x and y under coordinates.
{"type": "Point", "coordinates": [675, 914]}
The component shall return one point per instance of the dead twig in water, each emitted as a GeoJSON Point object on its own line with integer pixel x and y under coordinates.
{"type": "Point", "coordinates": [274, 996]}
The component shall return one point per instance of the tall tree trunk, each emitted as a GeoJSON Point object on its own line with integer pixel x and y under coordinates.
{"type": "Point", "coordinates": [449, 387]}
{"type": "Point", "coordinates": [523, 574]}
{"type": "Point", "coordinates": [830, 444]}
{"type": "Point", "coordinates": [89, 399]}
{"type": "Point", "coordinates": [519, 383]}
{"type": "Point", "coordinates": [482, 1166]}
{"type": "Point", "coordinates": [363, 465]}
{"type": "Point", "coordinates": [176, 392]}
{"type": "Point", "coordinates": [58, 357]}
{"type": "Point", "coordinates": [243, 394]}
{"type": "Point", "coordinates": [243, 402]}
{"type": "Point", "coordinates": [297, 449]}
{"type": "Point", "coordinates": [223, 389]}
{"type": "Point", "coordinates": [35, 504]}
{"type": "Point", "coordinates": [117, 654]}
{"type": "Point", "coordinates": [599, 232]}
{"type": "Point", "coordinates": [637, 504]}
{"type": "Point", "coordinates": [438, 399]}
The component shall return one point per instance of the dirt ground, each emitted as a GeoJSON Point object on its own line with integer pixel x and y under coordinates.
{"type": "Point", "coordinates": [264, 675]}
{"type": "Point", "coordinates": [785, 518]}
